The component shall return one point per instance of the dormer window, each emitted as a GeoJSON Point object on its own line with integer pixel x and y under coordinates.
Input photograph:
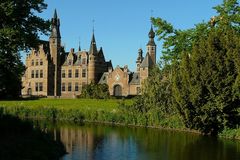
{"type": "Point", "coordinates": [37, 62]}
{"type": "Point", "coordinates": [69, 62]}
{"type": "Point", "coordinates": [32, 62]}
{"type": "Point", "coordinates": [84, 61]}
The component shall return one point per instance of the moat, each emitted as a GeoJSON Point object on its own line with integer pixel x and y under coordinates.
{"type": "Point", "coordinates": [102, 142]}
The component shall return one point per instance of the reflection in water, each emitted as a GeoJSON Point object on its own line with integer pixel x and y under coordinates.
{"type": "Point", "coordinates": [20, 140]}
{"type": "Point", "coordinates": [95, 142]}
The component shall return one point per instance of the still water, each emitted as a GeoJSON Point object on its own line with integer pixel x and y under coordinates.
{"type": "Point", "coordinates": [101, 142]}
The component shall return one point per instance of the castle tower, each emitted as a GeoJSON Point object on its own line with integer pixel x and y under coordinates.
{"type": "Point", "coordinates": [151, 46]}
{"type": "Point", "coordinates": [139, 59]}
{"type": "Point", "coordinates": [92, 61]}
{"type": "Point", "coordinates": [55, 47]}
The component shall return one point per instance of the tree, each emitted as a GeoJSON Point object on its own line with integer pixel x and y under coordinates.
{"type": "Point", "coordinates": [204, 62]}
{"type": "Point", "coordinates": [98, 91]}
{"type": "Point", "coordinates": [19, 29]}
{"type": "Point", "coordinates": [207, 81]}
{"type": "Point", "coordinates": [206, 87]}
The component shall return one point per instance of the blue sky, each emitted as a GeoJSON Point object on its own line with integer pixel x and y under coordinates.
{"type": "Point", "coordinates": [122, 26]}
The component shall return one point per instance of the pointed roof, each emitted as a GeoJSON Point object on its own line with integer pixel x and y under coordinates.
{"type": "Point", "coordinates": [55, 26]}
{"type": "Point", "coordinates": [135, 79]}
{"type": "Point", "coordinates": [147, 61]}
{"type": "Point", "coordinates": [93, 46]}
{"type": "Point", "coordinates": [151, 33]}
{"type": "Point", "coordinates": [79, 48]}
{"type": "Point", "coordinates": [55, 14]}
{"type": "Point", "coordinates": [151, 36]}
{"type": "Point", "coordinates": [100, 54]}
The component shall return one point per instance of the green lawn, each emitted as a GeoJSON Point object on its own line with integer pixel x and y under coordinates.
{"type": "Point", "coordinates": [90, 104]}
{"type": "Point", "coordinates": [67, 109]}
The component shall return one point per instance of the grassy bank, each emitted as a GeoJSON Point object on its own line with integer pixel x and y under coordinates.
{"type": "Point", "coordinates": [92, 110]}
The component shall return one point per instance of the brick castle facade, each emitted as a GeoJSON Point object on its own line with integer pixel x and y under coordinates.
{"type": "Point", "coordinates": [52, 72]}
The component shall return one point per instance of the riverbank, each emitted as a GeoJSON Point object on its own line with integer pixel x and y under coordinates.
{"type": "Point", "coordinates": [93, 110]}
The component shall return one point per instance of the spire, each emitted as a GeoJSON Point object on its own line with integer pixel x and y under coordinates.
{"type": "Point", "coordinates": [55, 14]}
{"type": "Point", "coordinates": [151, 36]}
{"type": "Point", "coordinates": [55, 24]}
{"type": "Point", "coordinates": [93, 46]}
{"type": "Point", "coordinates": [79, 47]}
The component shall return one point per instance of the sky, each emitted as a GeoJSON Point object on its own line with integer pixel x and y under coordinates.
{"type": "Point", "coordinates": [121, 26]}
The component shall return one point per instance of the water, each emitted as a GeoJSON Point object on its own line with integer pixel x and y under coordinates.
{"type": "Point", "coordinates": [101, 142]}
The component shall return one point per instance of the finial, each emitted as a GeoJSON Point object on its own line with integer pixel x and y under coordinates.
{"type": "Point", "coordinates": [93, 21]}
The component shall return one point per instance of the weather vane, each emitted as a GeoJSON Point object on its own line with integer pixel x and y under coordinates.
{"type": "Point", "coordinates": [151, 12]}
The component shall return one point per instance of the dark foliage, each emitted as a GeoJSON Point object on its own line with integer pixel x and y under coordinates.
{"type": "Point", "coordinates": [19, 29]}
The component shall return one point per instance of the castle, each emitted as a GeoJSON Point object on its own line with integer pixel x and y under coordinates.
{"type": "Point", "coordinates": [52, 72]}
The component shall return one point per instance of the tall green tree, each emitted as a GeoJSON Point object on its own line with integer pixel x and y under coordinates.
{"type": "Point", "coordinates": [206, 82]}
{"type": "Point", "coordinates": [19, 29]}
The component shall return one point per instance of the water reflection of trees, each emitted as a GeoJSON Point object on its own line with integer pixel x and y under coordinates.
{"type": "Point", "coordinates": [19, 140]}
{"type": "Point", "coordinates": [96, 142]}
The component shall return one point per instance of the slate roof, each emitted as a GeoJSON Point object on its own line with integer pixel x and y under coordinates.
{"type": "Point", "coordinates": [135, 79]}
{"type": "Point", "coordinates": [147, 61]}
{"type": "Point", "coordinates": [103, 79]}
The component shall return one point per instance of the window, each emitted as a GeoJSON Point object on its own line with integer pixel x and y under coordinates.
{"type": "Point", "coordinates": [76, 86]}
{"type": "Point", "coordinates": [37, 62]}
{"type": "Point", "coordinates": [40, 86]}
{"type": "Point", "coordinates": [84, 73]}
{"type": "Point", "coordinates": [41, 73]}
{"type": "Point", "coordinates": [69, 62]}
{"type": "Point", "coordinates": [32, 75]}
{"type": "Point", "coordinates": [69, 73]}
{"type": "Point", "coordinates": [32, 62]}
{"type": "Point", "coordinates": [63, 87]}
{"type": "Point", "coordinates": [63, 74]}
{"type": "Point", "coordinates": [36, 87]}
{"type": "Point", "coordinates": [36, 74]}
{"type": "Point", "coordinates": [41, 62]}
{"type": "Point", "coordinates": [69, 86]}
{"type": "Point", "coordinates": [76, 73]}
{"type": "Point", "coordinates": [84, 61]}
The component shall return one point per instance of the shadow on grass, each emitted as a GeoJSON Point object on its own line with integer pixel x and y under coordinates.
{"type": "Point", "coordinates": [19, 140]}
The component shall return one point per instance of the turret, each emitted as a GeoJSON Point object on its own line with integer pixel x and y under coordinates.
{"type": "Point", "coordinates": [139, 59]}
{"type": "Point", "coordinates": [55, 39]}
{"type": "Point", "coordinates": [55, 48]}
{"type": "Point", "coordinates": [92, 61]}
{"type": "Point", "coordinates": [151, 46]}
